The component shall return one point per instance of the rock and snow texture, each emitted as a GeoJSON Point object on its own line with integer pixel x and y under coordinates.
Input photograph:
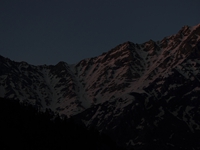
{"type": "Point", "coordinates": [132, 86]}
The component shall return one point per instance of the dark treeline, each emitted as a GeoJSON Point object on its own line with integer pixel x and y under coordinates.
{"type": "Point", "coordinates": [24, 127]}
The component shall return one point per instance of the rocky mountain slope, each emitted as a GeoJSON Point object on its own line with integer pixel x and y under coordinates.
{"type": "Point", "coordinates": [143, 95]}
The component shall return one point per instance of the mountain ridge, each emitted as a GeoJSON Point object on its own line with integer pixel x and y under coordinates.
{"type": "Point", "coordinates": [136, 88]}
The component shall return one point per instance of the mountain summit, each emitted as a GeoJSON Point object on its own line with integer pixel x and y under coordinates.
{"type": "Point", "coordinates": [142, 95]}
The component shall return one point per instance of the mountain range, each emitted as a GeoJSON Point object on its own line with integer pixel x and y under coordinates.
{"type": "Point", "coordinates": [144, 96]}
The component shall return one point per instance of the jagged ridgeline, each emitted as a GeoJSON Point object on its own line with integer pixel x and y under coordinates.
{"type": "Point", "coordinates": [142, 95]}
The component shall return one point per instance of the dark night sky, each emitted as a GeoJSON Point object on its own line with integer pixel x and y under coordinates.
{"type": "Point", "coordinates": [49, 31]}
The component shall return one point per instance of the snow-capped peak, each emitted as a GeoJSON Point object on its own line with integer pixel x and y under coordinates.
{"type": "Point", "coordinates": [155, 80]}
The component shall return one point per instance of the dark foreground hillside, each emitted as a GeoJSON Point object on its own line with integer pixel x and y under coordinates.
{"type": "Point", "coordinates": [24, 127]}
